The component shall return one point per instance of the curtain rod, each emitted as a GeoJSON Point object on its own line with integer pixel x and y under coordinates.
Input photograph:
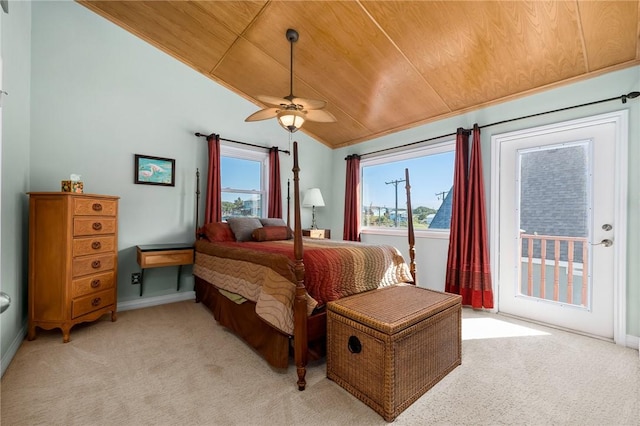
{"type": "Point", "coordinates": [623, 98]}
{"type": "Point", "coordinates": [243, 143]}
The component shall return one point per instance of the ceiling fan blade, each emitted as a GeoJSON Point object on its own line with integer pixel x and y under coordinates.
{"type": "Point", "coordinates": [263, 114]}
{"type": "Point", "coordinates": [308, 104]}
{"type": "Point", "coordinates": [320, 115]}
{"type": "Point", "coordinates": [310, 109]}
{"type": "Point", "coordinates": [273, 100]}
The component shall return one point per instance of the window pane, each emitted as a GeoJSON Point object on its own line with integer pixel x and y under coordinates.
{"type": "Point", "coordinates": [554, 223]}
{"type": "Point", "coordinates": [241, 204]}
{"type": "Point", "coordinates": [239, 173]}
{"type": "Point", "coordinates": [384, 201]}
{"type": "Point", "coordinates": [243, 189]}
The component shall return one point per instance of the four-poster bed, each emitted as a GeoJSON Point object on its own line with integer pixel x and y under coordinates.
{"type": "Point", "coordinates": [271, 291]}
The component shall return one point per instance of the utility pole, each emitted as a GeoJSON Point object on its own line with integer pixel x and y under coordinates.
{"type": "Point", "coordinates": [441, 195]}
{"type": "Point", "coordinates": [395, 183]}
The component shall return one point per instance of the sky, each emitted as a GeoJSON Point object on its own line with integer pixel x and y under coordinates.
{"type": "Point", "coordinates": [239, 173]}
{"type": "Point", "coordinates": [429, 177]}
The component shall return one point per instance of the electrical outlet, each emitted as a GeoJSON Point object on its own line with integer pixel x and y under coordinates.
{"type": "Point", "coordinates": [136, 277]}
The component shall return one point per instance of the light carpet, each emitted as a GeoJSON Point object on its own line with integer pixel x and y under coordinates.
{"type": "Point", "coordinates": [174, 365]}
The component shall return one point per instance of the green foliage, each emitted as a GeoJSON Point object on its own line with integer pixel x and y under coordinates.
{"type": "Point", "coordinates": [372, 217]}
{"type": "Point", "coordinates": [420, 213]}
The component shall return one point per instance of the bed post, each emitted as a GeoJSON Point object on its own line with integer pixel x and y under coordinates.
{"type": "Point", "coordinates": [197, 201]}
{"type": "Point", "coordinates": [300, 344]}
{"type": "Point", "coordinates": [289, 203]}
{"type": "Point", "coordinates": [412, 240]}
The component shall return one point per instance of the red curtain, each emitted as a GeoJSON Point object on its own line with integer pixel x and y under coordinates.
{"type": "Point", "coordinates": [352, 200]}
{"type": "Point", "coordinates": [275, 192]}
{"type": "Point", "coordinates": [213, 208]}
{"type": "Point", "coordinates": [468, 267]}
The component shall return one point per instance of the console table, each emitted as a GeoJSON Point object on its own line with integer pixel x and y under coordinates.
{"type": "Point", "coordinates": [160, 255]}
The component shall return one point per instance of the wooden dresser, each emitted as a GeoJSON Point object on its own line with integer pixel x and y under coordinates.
{"type": "Point", "coordinates": [73, 259]}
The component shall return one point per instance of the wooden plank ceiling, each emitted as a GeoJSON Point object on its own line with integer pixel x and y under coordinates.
{"type": "Point", "coordinates": [385, 66]}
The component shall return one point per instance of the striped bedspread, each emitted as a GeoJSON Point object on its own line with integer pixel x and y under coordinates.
{"type": "Point", "coordinates": [263, 272]}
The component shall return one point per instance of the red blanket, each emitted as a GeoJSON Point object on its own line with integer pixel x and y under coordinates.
{"type": "Point", "coordinates": [333, 269]}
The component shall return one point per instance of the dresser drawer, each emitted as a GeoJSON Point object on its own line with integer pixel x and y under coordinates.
{"type": "Point", "coordinates": [93, 226]}
{"type": "Point", "coordinates": [92, 284]}
{"type": "Point", "coordinates": [94, 245]}
{"type": "Point", "coordinates": [93, 302]}
{"type": "Point", "coordinates": [95, 207]}
{"type": "Point", "coordinates": [92, 264]}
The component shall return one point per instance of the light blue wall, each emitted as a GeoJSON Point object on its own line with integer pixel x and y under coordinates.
{"type": "Point", "coordinates": [85, 97]}
{"type": "Point", "coordinates": [16, 38]}
{"type": "Point", "coordinates": [431, 253]}
{"type": "Point", "coordinates": [101, 95]}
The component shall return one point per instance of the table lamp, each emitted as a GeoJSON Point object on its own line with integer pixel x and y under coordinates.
{"type": "Point", "coordinates": [313, 198]}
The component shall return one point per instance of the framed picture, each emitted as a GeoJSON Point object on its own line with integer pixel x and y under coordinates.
{"type": "Point", "coordinates": [154, 170]}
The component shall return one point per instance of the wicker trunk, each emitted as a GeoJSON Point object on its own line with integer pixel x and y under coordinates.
{"type": "Point", "coordinates": [389, 346]}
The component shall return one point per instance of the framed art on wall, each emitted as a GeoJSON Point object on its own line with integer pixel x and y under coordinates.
{"type": "Point", "coordinates": [150, 170]}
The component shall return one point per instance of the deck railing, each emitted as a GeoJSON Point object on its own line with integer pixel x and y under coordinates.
{"type": "Point", "coordinates": [558, 259]}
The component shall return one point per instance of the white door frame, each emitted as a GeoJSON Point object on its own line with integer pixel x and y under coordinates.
{"type": "Point", "coordinates": [621, 121]}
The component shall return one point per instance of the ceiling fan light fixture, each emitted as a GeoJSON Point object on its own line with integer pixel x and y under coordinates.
{"type": "Point", "coordinates": [291, 119]}
{"type": "Point", "coordinates": [292, 111]}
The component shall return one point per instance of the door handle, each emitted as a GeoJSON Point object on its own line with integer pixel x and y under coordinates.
{"type": "Point", "coordinates": [605, 242]}
{"type": "Point", "coordinates": [5, 301]}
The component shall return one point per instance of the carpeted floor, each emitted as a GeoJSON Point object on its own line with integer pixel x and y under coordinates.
{"type": "Point", "coordinates": [173, 365]}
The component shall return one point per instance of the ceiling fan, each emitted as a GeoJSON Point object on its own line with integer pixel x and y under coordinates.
{"type": "Point", "coordinates": [290, 110]}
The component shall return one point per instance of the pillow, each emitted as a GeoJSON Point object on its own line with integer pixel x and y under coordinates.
{"type": "Point", "coordinates": [272, 221]}
{"type": "Point", "coordinates": [242, 227]}
{"type": "Point", "coordinates": [272, 233]}
{"type": "Point", "coordinates": [218, 231]}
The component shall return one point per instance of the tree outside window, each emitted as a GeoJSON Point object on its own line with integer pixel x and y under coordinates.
{"type": "Point", "coordinates": [244, 182]}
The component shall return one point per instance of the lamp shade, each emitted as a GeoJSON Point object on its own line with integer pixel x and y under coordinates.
{"type": "Point", "coordinates": [313, 198]}
{"type": "Point", "coordinates": [291, 119]}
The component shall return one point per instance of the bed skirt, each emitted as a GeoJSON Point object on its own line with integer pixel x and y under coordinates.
{"type": "Point", "coordinates": [243, 321]}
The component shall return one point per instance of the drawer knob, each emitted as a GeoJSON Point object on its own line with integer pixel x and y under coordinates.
{"type": "Point", "coordinates": [97, 207]}
{"type": "Point", "coordinates": [97, 226]}
{"type": "Point", "coordinates": [95, 264]}
{"type": "Point", "coordinates": [95, 283]}
{"type": "Point", "coordinates": [96, 301]}
{"type": "Point", "coordinates": [96, 245]}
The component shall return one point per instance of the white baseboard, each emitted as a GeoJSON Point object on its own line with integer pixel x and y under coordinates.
{"type": "Point", "coordinates": [633, 342]}
{"type": "Point", "coordinates": [157, 300]}
{"type": "Point", "coordinates": [13, 349]}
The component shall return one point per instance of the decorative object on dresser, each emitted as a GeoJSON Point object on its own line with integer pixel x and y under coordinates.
{"type": "Point", "coordinates": [313, 198]}
{"type": "Point", "coordinates": [74, 184]}
{"type": "Point", "coordinates": [317, 233]}
{"type": "Point", "coordinates": [160, 255]}
{"type": "Point", "coordinates": [73, 259]}
{"type": "Point", "coordinates": [389, 346]}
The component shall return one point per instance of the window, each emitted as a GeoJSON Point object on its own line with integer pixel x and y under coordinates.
{"type": "Point", "coordinates": [243, 174]}
{"type": "Point", "coordinates": [384, 200]}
